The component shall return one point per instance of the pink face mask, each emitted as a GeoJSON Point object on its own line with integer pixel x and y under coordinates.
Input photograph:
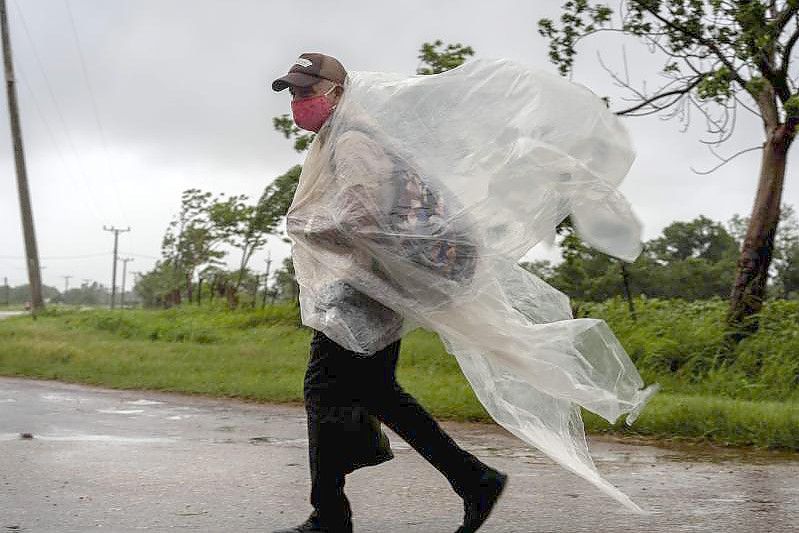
{"type": "Point", "coordinates": [311, 113]}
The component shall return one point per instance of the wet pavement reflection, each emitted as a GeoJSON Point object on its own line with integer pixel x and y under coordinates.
{"type": "Point", "coordinates": [74, 458]}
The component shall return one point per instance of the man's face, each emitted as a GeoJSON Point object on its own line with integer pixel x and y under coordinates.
{"type": "Point", "coordinates": [324, 87]}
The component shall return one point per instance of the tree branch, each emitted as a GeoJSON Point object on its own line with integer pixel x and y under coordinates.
{"type": "Point", "coordinates": [782, 18]}
{"type": "Point", "coordinates": [649, 101]}
{"type": "Point", "coordinates": [786, 51]}
{"type": "Point", "coordinates": [700, 39]}
{"type": "Point", "coordinates": [727, 160]}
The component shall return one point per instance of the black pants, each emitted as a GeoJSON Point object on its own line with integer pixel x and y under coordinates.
{"type": "Point", "coordinates": [336, 380]}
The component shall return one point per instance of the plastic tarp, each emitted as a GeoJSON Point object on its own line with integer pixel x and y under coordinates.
{"type": "Point", "coordinates": [417, 200]}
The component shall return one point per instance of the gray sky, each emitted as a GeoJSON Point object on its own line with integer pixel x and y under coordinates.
{"type": "Point", "coordinates": [182, 99]}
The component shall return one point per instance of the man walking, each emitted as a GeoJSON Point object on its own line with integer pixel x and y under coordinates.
{"type": "Point", "coordinates": [348, 394]}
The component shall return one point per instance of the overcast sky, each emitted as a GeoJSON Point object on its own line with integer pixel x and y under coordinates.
{"type": "Point", "coordinates": [180, 90]}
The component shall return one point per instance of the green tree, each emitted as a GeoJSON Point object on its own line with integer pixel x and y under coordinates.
{"type": "Point", "coordinates": [286, 281]}
{"type": "Point", "coordinates": [240, 225]}
{"type": "Point", "coordinates": [156, 287]}
{"type": "Point", "coordinates": [788, 275]}
{"type": "Point", "coordinates": [192, 238]}
{"type": "Point", "coordinates": [89, 294]}
{"type": "Point", "coordinates": [435, 57]}
{"type": "Point", "coordinates": [717, 55]}
{"type": "Point", "coordinates": [691, 260]}
{"type": "Point", "coordinates": [22, 293]}
{"type": "Point", "coordinates": [285, 124]}
{"type": "Point", "coordinates": [541, 267]}
{"type": "Point", "coordinates": [700, 238]}
{"type": "Point", "coordinates": [277, 197]}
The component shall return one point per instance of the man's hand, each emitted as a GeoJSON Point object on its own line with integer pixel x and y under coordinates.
{"type": "Point", "coordinates": [318, 230]}
{"type": "Point", "coordinates": [357, 210]}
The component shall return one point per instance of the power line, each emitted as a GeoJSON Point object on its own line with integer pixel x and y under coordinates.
{"type": "Point", "coordinates": [141, 256]}
{"type": "Point", "coordinates": [59, 152]}
{"type": "Point", "coordinates": [82, 174]}
{"type": "Point", "coordinates": [95, 109]}
{"type": "Point", "coordinates": [85, 256]}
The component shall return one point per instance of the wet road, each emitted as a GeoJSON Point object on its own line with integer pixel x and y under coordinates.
{"type": "Point", "coordinates": [130, 461]}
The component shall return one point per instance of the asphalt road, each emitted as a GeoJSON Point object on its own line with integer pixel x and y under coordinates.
{"type": "Point", "coordinates": [112, 460]}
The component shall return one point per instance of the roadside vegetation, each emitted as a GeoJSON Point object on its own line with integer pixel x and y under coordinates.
{"type": "Point", "coordinates": [260, 354]}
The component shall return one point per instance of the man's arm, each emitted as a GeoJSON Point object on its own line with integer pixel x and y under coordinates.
{"type": "Point", "coordinates": [353, 206]}
{"type": "Point", "coordinates": [386, 203]}
{"type": "Point", "coordinates": [363, 175]}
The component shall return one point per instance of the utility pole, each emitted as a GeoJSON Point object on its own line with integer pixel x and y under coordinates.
{"type": "Point", "coordinates": [124, 270]}
{"type": "Point", "coordinates": [136, 277]}
{"type": "Point", "coordinates": [7, 290]}
{"type": "Point", "coordinates": [31, 250]}
{"type": "Point", "coordinates": [66, 282]}
{"type": "Point", "coordinates": [114, 270]}
{"type": "Point", "coordinates": [266, 278]}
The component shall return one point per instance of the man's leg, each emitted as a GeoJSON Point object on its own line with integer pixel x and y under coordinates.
{"type": "Point", "coordinates": [322, 398]}
{"type": "Point", "coordinates": [327, 474]}
{"type": "Point", "coordinates": [389, 402]}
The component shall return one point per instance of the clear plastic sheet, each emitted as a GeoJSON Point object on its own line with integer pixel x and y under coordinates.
{"type": "Point", "coordinates": [415, 203]}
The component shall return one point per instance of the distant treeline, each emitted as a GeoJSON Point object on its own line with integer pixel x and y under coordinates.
{"type": "Point", "coordinates": [692, 260]}
{"type": "Point", "coordinates": [90, 294]}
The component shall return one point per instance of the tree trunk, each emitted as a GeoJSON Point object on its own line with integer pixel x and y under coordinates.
{"type": "Point", "coordinates": [749, 288]}
{"type": "Point", "coordinates": [232, 296]}
{"type": "Point", "coordinates": [189, 287]}
{"type": "Point", "coordinates": [625, 277]}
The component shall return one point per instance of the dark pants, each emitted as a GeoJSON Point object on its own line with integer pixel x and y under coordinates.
{"type": "Point", "coordinates": [336, 380]}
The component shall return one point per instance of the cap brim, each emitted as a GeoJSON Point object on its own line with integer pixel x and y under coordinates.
{"type": "Point", "coordinates": [295, 79]}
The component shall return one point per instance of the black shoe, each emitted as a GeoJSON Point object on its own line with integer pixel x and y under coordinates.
{"type": "Point", "coordinates": [477, 506]}
{"type": "Point", "coordinates": [309, 526]}
{"type": "Point", "coordinates": [312, 525]}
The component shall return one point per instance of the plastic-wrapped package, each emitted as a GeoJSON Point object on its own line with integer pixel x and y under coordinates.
{"type": "Point", "coordinates": [415, 203]}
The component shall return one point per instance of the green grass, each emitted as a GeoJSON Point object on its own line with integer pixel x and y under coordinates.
{"type": "Point", "coordinates": [261, 355]}
{"type": "Point", "coordinates": [676, 343]}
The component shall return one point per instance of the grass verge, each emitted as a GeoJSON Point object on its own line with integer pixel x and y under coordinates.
{"type": "Point", "coordinates": [261, 355]}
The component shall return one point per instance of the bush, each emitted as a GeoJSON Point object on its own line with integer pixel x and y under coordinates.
{"type": "Point", "coordinates": [677, 343]}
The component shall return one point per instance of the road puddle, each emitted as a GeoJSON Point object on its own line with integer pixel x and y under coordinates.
{"type": "Point", "coordinates": [687, 452]}
{"type": "Point", "coordinates": [279, 441]}
{"type": "Point", "coordinates": [113, 439]}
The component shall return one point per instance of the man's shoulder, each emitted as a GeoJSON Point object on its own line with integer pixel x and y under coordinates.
{"type": "Point", "coordinates": [354, 138]}
{"type": "Point", "coordinates": [358, 146]}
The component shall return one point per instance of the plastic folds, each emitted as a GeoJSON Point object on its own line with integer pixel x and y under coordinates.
{"type": "Point", "coordinates": [415, 203]}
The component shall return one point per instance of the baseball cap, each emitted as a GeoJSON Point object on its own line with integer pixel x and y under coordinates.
{"type": "Point", "coordinates": [308, 69]}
